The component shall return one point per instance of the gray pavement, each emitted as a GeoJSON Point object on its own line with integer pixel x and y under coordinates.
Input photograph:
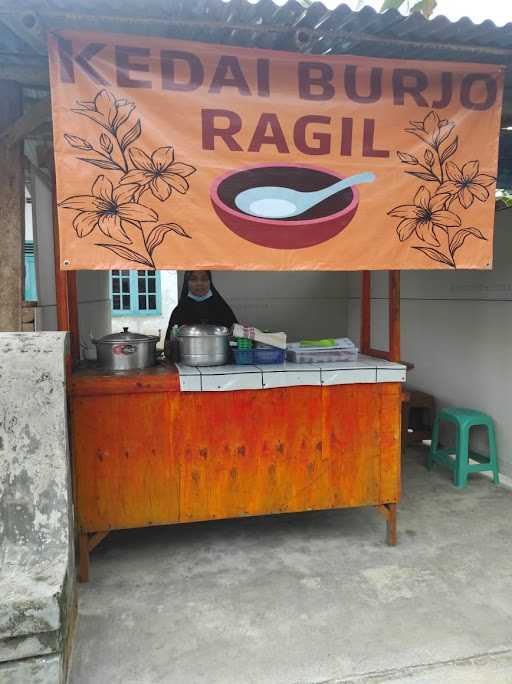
{"type": "Point", "coordinates": [310, 598]}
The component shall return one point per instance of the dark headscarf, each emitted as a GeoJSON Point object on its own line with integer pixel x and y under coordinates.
{"type": "Point", "coordinates": [211, 310]}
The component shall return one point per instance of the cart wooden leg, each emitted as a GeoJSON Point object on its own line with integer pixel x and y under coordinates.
{"type": "Point", "coordinates": [86, 544]}
{"type": "Point", "coordinates": [83, 557]}
{"type": "Point", "coordinates": [389, 512]}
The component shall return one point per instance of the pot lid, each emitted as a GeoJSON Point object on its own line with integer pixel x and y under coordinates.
{"type": "Point", "coordinates": [202, 330]}
{"type": "Point", "coordinates": [126, 336]}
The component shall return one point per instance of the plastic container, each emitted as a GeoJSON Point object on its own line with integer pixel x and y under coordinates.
{"type": "Point", "coordinates": [243, 357]}
{"type": "Point", "coordinates": [244, 343]}
{"type": "Point", "coordinates": [270, 355]}
{"type": "Point", "coordinates": [324, 356]}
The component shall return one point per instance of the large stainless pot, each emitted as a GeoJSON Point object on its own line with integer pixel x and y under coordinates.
{"type": "Point", "coordinates": [203, 345]}
{"type": "Point", "coordinates": [126, 351]}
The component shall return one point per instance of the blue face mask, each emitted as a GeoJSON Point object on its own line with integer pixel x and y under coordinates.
{"type": "Point", "coordinates": [200, 298]}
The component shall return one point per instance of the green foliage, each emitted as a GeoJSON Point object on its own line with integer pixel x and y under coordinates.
{"type": "Point", "coordinates": [503, 199]}
{"type": "Point", "coordinates": [424, 7]}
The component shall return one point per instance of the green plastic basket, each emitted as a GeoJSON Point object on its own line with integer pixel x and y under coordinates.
{"type": "Point", "coordinates": [243, 343]}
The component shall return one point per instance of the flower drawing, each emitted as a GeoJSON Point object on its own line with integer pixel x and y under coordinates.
{"type": "Point", "coordinates": [466, 183]}
{"type": "Point", "coordinates": [109, 209]}
{"type": "Point", "coordinates": [160, 173]}
{"type": "Point", "coordinates": [432, 129]}
{"type": "Point", "coordinates": [114, 207]}
{"type": "Point", "coordinates": [106, 110]}
{"type": "Point", "coordinates": [431, 217]}
{"type": "Point", "coordinates": [423, 216]}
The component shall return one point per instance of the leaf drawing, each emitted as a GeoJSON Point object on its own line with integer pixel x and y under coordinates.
{"type": "Point", "coordinates": [78, 143]}
{"type": "Point", "coordinates": [115, 207]}
{"type": "Point", "coordinates": [158, 234]}
{"type": "Point", "coordinates": [407, 158]}
{"type": "Point", "coordinates": [461, 235]}
{"type": "Point", "coordinates": [102, 163]}
{"type": "Point", "coordinates": [106, 143]}
{"type": "Point", "coordinates": [131, 136]}
{"type": "Point", "coordinates": [436, 255]}
{"type": "Point", "coordinates": [430, 217]}
{"type": "Point", "coordinates": [128, 254]}
{"type": "Point", "coordinates": [450, 150]}
{"type": "Point", "coordinates": [429, 158]}
{"type": "Point", "coordinates": [423, 176]}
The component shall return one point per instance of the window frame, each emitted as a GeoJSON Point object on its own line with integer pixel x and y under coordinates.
{"type": "Point", "coordinates": [134, 295]}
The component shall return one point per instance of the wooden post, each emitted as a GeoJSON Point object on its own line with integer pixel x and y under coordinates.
{"type": "Point", "coordinates": [61, 282]}
{"type": "Point", "coordinates": [73, 314]}
{"type": "Point", "coordinates": [66, 293]}
{"type": "Point", "coordinates": [366, 311]}
{"type": "Point", "coordinates": [393, 351]}
{"type": "Point", "coordinates": [394, 316]}
{"type": "Point", "coordinates": [12, 207]}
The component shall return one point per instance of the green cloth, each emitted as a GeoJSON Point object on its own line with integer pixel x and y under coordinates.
{"type": "Point", "coordinates": [328, 342]}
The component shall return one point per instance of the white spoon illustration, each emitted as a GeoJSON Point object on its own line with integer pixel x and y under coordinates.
{"type": "Point", "coordinates": [274, 202]}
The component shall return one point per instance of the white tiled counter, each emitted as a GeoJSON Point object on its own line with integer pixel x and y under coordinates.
{"type": "Point", "coordinates": [366, 369]}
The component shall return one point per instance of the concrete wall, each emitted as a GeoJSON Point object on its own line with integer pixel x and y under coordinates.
{"type": "Point", "coordinates": [150, 325]}
{"type": "Point", "coordinates": [304, 304]}
{"type": "Point", "coordinates": [37, 578]}
{"type": "Point", "coordinates": [93, 292]}
{"type": "Point", "coordinates": [457, 330]}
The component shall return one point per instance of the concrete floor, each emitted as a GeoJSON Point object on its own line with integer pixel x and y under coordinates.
{"type": "Point", "coordinates": [309, 598]}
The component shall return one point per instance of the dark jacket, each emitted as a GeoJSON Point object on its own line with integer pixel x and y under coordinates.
{"type": "Point", "coordinates": [188, 312]}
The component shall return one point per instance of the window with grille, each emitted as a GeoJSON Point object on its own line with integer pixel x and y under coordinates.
{"type": "Point", "coordinates": [135, 293]}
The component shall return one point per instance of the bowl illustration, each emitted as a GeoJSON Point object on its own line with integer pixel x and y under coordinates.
{"type": "Point", "coordinates": [316, 225]}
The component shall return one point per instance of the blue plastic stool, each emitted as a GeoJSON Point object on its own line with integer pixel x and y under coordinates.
{"type": "Point", "coordinates": [464, 419]}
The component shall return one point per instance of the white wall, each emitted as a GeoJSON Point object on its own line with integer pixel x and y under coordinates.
{"type": "Point", "coordinates": [29, 233]}
{"type": "Point", "coordinates": [93, 294]}
{"type": "Point", "coordinates": [304, 304]}
{"type": "Point", "coordinates": [46, 314]}
{"type": "Point", "coordinates": [456, 328]}
{"type": "Point", "coordinates": [153, 325]}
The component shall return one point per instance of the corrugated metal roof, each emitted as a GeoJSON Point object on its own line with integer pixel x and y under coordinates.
{"type": "Point", "coordinates": [153, 16]}
{"type": "Point", "coordinates": [292, 14]}
{"type": "Point", "coordinates": [262, 24]}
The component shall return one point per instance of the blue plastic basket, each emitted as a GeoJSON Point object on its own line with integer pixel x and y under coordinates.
{"type": "Point", "coordinates": [271, 355]}
{"type": "Point", "coordinates": [243, 357]}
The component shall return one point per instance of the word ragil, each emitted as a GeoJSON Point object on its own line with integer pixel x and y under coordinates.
{"type": "Point", "coordinates": [311, 134]}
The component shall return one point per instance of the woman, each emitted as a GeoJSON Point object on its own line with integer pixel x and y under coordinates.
{"type": "Point", "coordinates": [199, 303]}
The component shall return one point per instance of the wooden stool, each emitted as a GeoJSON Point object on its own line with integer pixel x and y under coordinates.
{"type": "Point", "coordinates": [418, 413]}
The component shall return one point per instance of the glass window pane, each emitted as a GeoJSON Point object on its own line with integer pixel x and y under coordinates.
{"type": "Point", "coordinates": [151, 285]}
{"type": "Point", "coordinates": [152, 302]}
{"type": "Point", "coordinates": [126, 285]}
{"type": "Point", "coordinates": [115, 285]}
{"type": "Point", "coordinates": [142, 302]}
{"type": "Point", "coordinates": [125, 273]}
{"type": "Point", "coordinates": [115, 272]}
{"type": "Point", "coordinates": [141, 273]}
{"type": "Point", "coordinates": [116, 303]}
{"type": "Point", "coordinates": [141, 285]}
{"type": "Point", "coordinates": [126, 302]}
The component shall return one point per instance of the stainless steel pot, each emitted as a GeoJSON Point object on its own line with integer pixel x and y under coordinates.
{"type": "Point", "coordinates": [126, 351]}
{"type": "Point", "coordinates": [203, 345]}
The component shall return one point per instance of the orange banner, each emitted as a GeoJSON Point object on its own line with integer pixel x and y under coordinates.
{"type": "Point", "coordinates": [181, 155]}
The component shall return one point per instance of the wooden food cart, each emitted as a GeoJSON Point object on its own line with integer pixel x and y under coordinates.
{"type": "Point", "coordinates": [151, 450]}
